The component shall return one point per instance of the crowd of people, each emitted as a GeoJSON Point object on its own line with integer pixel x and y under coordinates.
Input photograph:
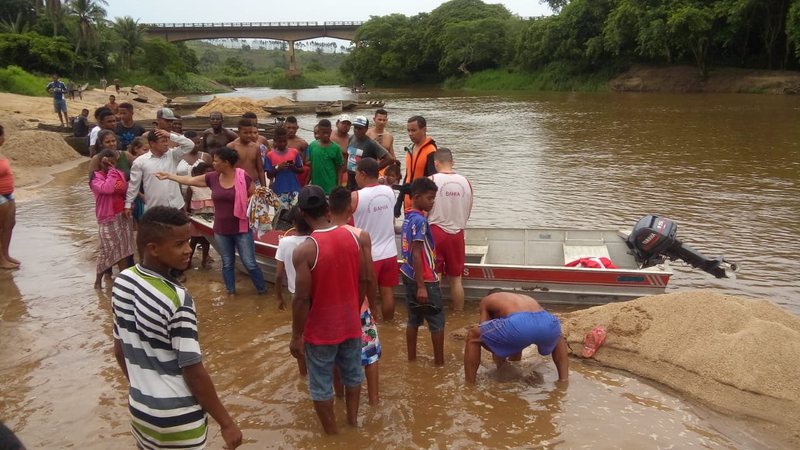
{"type": "Point", "coordinates": [343, 193]}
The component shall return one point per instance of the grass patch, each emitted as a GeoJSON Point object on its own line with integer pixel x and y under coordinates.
{"type": "Point", "coordinates": [17, 81]}
{"type": "Point", "coordinates": [553, 77]}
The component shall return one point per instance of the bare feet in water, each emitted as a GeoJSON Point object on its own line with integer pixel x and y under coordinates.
{"type": "Point", "coordinates": [9, 264]}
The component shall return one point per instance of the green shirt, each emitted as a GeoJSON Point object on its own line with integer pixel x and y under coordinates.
{"type": "Point", "coordinates": [325, 162]}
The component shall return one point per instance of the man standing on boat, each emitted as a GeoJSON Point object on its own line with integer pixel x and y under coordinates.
{"type": "Point", "coordinates": [361, 146]}
{"type": "Point", "coordinates": [372, 205]}
{"type": "Point", "coordinates": [509, 323]}
{"type": "Point", "coordinates": [448, 218]}
{"type": "Point", "coordinates": [419, 159]}
{"type": "Point", "coordinates": [217, 136]}
{"type": "Point", "coordinates": [379, 132]}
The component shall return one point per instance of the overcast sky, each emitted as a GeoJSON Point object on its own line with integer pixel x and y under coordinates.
{"type": "Point", "coordinates": [150, 11]}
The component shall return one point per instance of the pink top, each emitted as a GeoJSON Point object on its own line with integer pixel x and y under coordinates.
{"type": "Point", "coordinates": [6, 177]}
{"type": "Point", "coordinates": [109, 193]}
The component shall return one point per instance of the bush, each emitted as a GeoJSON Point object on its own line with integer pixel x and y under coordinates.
{"type": "Point", "coordinates": [17, 81]}
{"type": "Point", "coordinates": [551, 77]}
{"type": "Point", "coordinates": [36, 53]}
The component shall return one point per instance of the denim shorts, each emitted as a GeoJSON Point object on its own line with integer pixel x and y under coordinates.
{"type": "Point", "coordinates": [320, 360]}
{"type": "Point", "coordinates": [417, 314]}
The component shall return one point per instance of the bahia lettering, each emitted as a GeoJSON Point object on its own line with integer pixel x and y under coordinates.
{"type": "Point", "coordinates": [452, 194]}
{"type": "Point", "coordinates": [380, 208]}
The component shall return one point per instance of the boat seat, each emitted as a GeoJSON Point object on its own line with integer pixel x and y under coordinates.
{"type": "Point", "coordinates": [476, 254]}
{"type": "Point", "coordinates": [573, 252]}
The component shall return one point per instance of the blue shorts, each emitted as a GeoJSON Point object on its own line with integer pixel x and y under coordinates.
{"type": "Point", "coordinates": [320, 360]}
{"type": "Point", "coordinates": [510, 335]}
{"type": "Point", "coordinates": [60, 105]}
{"type": "Point", "coordinates": [433, 311]}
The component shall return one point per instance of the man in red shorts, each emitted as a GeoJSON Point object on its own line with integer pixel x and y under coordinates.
{"type": "Point", "coordinates": [373, 206]}
{"type": "Point", "coordinates": [448, 218]}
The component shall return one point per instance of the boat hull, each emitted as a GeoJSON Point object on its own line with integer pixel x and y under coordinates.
{"type": "Point", "coordinates": [548, 284]}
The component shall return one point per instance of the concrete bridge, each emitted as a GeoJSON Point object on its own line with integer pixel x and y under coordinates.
{"type": "Point", "coordinates": [280, 31]}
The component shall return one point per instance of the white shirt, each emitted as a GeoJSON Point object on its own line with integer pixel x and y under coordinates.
{"type": "Point", "coordinates": [93, 134]}
{"type": "Point", "coordinates": [453, 203]}
{"type": "Point", "coordinates": [375, 215]}
{"type": "Point", "coordinates": [285, 252]}
{"type": "Point", "coordinates": [143, 172]}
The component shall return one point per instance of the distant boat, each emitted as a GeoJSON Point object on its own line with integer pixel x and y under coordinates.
{"type": "Point", "coordinates": [328, 108]}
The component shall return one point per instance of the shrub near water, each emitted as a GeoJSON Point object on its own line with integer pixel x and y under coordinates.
{"type": "Point", "coordinates": [17, 81]}
{"type": "Point", "coordinates": [553, 77]}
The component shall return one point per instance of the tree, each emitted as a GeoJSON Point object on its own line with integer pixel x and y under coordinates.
{"type": "Point", "coordinates": [478, 44]}
{"type": "Point", "coordinates": [89, 14]}
{"type": "Point", "coordinates": [691, 26]}
{"type": "Point", "coordinates": [130, 36]}
{"type": "Point", "coordinates": [37, 53]}
{"type": "Point", "coordinates": [793, 28]}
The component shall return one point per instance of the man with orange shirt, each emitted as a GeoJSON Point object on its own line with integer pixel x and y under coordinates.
{"type": "Point", "coordinates": [419, 158]}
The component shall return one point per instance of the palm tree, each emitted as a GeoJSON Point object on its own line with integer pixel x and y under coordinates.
{"type": "Point", "coordinates": [131, 37]}
{"type": "Point", "coordinates": [88, 14]}
{"type": "Point", "coordinates": [18, 26]}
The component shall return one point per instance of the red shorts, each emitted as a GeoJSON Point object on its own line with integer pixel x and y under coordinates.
{"type": "Point", "coordinates": [387, 272]}
{"type": "Point", "coordinates": [450, 252]}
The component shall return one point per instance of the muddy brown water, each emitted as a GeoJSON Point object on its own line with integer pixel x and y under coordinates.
{"type": "Point", "coordinates": [725, 167]}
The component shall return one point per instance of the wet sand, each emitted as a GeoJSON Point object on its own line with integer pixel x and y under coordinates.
{"type": "Point", "coordinates": [61, 387]}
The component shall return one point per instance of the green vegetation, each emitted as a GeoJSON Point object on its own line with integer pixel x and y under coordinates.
{"type": "Point", "coordinates": [14, 79]}
{"type": "Point", "coordinates": [475, 45]}
{"type": "Point", "coordinates": [248, 66]}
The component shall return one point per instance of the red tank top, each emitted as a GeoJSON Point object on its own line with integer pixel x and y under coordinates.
{"type": "Point", "coordinates": [335, 313]}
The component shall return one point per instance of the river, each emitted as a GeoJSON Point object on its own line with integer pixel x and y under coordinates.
{"type": "Point", "coordinates": [724, 167]}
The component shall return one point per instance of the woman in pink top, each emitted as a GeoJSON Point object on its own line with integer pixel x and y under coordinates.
{"type": "Point", "coordinates": [8, 209]}
{"type": "Point", "coordinates": [116, 230]}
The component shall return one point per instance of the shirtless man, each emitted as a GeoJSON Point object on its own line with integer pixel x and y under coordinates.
{"type": "Point", "coordinates": [380, 134]}
{"type": "Point", "coordinates": [113, 105]}
{"type": "Point", "coordinates": [341, 135]}
{"type": "Point", "coordinates": [293, 140]}
{"type": "Point", "coordinates": [217, 136]}
{"type": "Point", "coordinates": [250, 151]}
{"type": "Point", "coordinates": [509, 323]}
{"type": "Point", "coordinates": [254, 118]}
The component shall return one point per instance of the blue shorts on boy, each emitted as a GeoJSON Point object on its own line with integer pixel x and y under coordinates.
{"type": "Point", "coordinates": [320, 360]}
{"type": "Point", "coordinates": [510, 335]}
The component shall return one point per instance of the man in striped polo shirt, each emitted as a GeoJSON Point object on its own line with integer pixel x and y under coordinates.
{"type": "Point", "coordinates": [156, 343]}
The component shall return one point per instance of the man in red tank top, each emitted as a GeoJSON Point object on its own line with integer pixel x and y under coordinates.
{"type": "Point", "coordinates": [326, 310]}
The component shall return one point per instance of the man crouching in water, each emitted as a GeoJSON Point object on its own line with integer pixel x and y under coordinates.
{"type": "Point", "coordinates": [509, 323]}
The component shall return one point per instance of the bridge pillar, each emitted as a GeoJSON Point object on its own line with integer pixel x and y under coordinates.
{"type": "Point", "coordinates": [293, 70]}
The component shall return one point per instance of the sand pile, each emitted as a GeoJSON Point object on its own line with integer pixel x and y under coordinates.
{"type": "Point", "coordinates": [32, 152]}
{"type": "Point", "coordinates": [735, 355]}
{"type": "Point", "coordinates": [153, 97]}
{"type": "Point", "coordinates": [241, 105]}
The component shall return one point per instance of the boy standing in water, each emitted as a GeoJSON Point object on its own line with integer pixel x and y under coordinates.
{"type": "Point", "coordinates": [423, 297]}
{"type": "Point", "coordinates": [251, 159]}
{"type": "Point", "coordinates": [156, 343]}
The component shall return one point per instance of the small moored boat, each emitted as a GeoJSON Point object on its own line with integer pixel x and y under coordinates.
{"type": "Point", "coordinates": [533, 261]}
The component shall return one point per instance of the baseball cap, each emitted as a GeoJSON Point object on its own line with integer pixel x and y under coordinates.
{"type": "Point", "coordinates": [361, 121]}
{"type": "Point", "coordinates": [345, 118]}
{"type": "Point", "coordinates": [166, 114]}
{"type": "Point", "coordinates": [311, 196]}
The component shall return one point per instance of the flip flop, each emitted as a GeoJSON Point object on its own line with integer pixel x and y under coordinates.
{"type": "Point", "coordinates": [593, 340]}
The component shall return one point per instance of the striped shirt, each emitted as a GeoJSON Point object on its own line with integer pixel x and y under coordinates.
{"type": "Point", "coordinates": [416, 228]}
{"type": "Point", "coordinates": [155, 321]}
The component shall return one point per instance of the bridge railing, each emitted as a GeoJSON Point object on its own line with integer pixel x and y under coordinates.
{"type": "Point", "coordinates": [253, 24]}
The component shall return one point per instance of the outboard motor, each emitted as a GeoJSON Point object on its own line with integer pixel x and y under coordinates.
{"type": "Point", "coordinates": [654, 239]}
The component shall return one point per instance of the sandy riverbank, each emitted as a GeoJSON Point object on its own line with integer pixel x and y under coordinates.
{"type": "Point", "coordinates": [733, 354]}
{"type": "Point", "coordinates": [725, 80]}
{"type": "Point", "coordinates": [37, 155]}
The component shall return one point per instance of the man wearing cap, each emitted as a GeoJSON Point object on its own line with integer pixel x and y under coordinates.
{"type": "Point", "coordinates": [164, 119]}
{"type": "Point", "coordinates": [341, 135]}
{"type": "Point", "coordinates": [361, 146]}
{"type": "Point", "coordinates": [331, 280]}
